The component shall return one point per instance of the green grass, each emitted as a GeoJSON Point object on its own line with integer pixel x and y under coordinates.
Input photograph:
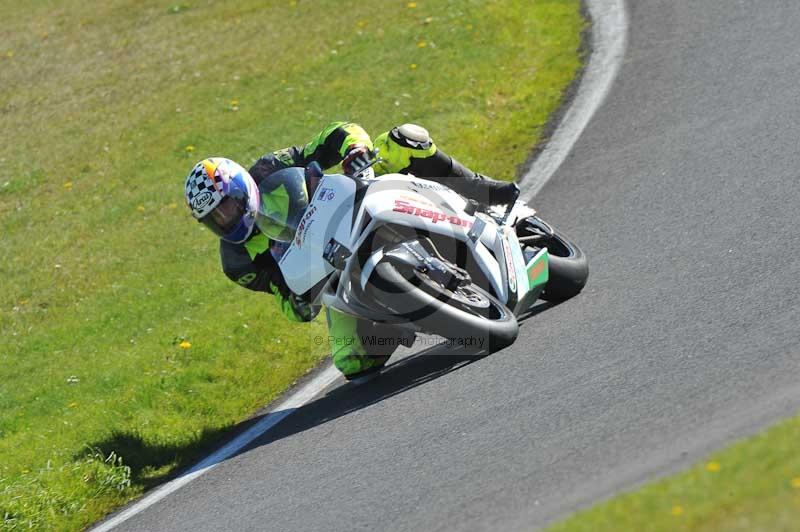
{"type": "Point", "coordinates": [752, 486]}
{"type": "Point", "coordinates": [105, 108]}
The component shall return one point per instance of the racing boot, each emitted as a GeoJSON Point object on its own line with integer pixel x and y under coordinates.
{"type": "Point", "coordinates": [481, 188]}
{"type": "Point", "coordinates": [367, 364]}
{"type": "Point", "coordinates": [491, 192]}
{"type": "Point", "coordinates": [347, 350]}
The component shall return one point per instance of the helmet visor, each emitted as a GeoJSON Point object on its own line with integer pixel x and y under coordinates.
{"type": "Point", "coordinates": [226, 216]}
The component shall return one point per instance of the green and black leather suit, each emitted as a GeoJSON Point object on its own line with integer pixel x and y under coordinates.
{"type": "Point", "coordinates": [252, 266]}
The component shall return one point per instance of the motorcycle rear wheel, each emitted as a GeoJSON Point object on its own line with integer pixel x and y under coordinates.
{"type": "Point", "coordinates": [469, 316]}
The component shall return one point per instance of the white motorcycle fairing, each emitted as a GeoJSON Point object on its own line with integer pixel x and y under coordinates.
{"type": "Point", "coordinates": [329, 216]}
{"type": "Point", "coordinates": [344, 213]}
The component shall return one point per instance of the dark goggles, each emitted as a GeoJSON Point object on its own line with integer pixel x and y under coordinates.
{"type": "Point", "coordinates": [227, 215]}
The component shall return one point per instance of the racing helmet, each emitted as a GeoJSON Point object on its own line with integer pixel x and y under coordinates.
{"type": "Point", "coordinates": [223, 196]}
{"type": "Point", "coordinates": [284, 199]}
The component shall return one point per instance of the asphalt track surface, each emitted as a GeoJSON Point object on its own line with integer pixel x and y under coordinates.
{"type": "Point", "coordinates": [684, 193]}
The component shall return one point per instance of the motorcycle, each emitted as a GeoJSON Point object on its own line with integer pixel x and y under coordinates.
{"type": "Point", "coordinates": [412, 253]}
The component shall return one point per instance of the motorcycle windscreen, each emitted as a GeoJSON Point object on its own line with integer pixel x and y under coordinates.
{"type": "Point", "coordinates": [284, 200]}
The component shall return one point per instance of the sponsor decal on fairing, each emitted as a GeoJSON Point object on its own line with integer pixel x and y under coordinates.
{"type": "Point", "coordinates": [434, 216]}
{"type": "Point", "coordinates": [428, 186]}
{"type": "Point", "coordinates": [512, 273]}
{"type": "Point", "coordinates": [326, 194]}
{"type": "Point", "coordinates": [305, 225]}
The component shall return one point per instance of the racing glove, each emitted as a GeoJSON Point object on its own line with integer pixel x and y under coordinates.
{"type": "Point", "coordinates": [294, 307]}
{"type": "Point", "coordinates": [303, 309]}
{"type": "Point", "coordinates": [357, 157]}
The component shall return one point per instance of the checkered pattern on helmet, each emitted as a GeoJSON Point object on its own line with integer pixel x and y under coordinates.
{"type": "Point", "coordinates": [198, 182]}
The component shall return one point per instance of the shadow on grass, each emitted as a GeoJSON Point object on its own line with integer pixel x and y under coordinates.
{"type": "Point", "coordinates": [152, 463]}
{"type": "Point", "coordinates": [146, 460]}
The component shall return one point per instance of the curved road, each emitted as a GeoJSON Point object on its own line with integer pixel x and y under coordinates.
{"type": "Point", "coordinates": [684, 192]}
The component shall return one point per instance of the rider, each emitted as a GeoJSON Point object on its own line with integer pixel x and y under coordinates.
{"type": "Point", "coordinates": [249, 255]}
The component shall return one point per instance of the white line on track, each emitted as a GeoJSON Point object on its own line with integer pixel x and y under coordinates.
{"type": "Point", "coordinates": [609, 36]}
{"type": "Point", "coordinates": [608, 41]}
{"type": "Point", "coordinates": [306, 393]}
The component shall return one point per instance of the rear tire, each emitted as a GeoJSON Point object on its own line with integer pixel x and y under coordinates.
{"type": "Point", "coordinates": [472, 317]}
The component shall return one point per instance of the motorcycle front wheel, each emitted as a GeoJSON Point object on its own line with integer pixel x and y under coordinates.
{"type": "Point", "coordinates": [569, 268]}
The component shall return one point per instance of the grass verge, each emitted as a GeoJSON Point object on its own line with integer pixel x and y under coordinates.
{"type": "Point", "coordinates": [124, 351]}
{"type": "Point", "coordinates": [753, 485]}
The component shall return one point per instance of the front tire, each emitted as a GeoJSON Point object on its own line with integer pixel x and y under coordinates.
{"type": "Point", "coordinates": [569, 268]}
